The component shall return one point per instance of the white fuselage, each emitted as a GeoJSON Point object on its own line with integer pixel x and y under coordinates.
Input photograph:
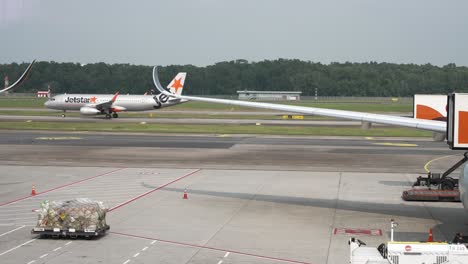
{"type": "Point", "coordinates": [70, 102]}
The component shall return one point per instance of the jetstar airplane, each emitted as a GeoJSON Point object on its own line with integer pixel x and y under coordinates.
{"type": "Point", "coordinates": [460, 131]}
{"type": "Point", "coordinates": [20, 80]}
{"type": "Point", "coordinates": [110, 105]}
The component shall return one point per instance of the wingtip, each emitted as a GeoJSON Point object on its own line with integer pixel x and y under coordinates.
{"type": "Point", "coordinates": [157, 84]}
{"type": "Point", "coordinates": [21, 79]}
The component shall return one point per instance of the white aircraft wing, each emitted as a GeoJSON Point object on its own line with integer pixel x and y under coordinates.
{"type": "Point", "coordinates": [431, 125]}
{"type": "Point", "coordinates": [20, 80]}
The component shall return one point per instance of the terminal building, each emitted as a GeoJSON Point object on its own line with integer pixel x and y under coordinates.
{"type": "Point", "coordinates": [270, 95]}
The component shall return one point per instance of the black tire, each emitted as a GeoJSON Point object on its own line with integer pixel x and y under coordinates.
{"type": "Point", "coordinates": [447, 184]}
{"type": "Point", "coordinates": [115, 115]}
{"type": "Point", "coordinates": [63, 115]}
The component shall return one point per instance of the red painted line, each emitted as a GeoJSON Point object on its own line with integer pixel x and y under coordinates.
{"type": "Point", "coordinates": [212, 248]}
{"type": "Point", "coordinates": [151, 191]}
{"type": "Point", "coordinates": [60, 187]}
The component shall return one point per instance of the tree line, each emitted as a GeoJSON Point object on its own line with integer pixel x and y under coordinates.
{"type": "Point", "coordinates": [225, 78]}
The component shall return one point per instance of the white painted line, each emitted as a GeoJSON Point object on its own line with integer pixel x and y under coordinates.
{"type": "Point", "coordinates": [127, 261]}
{"type": "Point", "coordinates": [226, 255]}
{"type": "Point", "coordinates": [14, 219]}
{"type": "Point", "coordinates": [58, 248]}
{"type": "Point", "coordinates": [32, 261]}
{"type": "Point", "coordinates": [145, 248]}
{"type": "Point", "coordinates": [68, 243]}
{"type": "Point", "coordinates": [219, 262]}
{"type": "Point", "coordinates": [43, 256]}
{"type": "Point", "coordinates": [136, 255]}
{"type": "Point", "coordinates": [6, 233]}
{"type": "Point", "coordinates": [154, 241]}
{"type": "Point", "coordinates": [25, 243]}
{"type": "Point", "coordinates": [17, 224]}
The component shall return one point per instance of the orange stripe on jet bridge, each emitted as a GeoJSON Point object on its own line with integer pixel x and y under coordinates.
{"type": "Point", "coordinates": [426, 112]}
{"type": "Point", "coordinates": [462, 127]}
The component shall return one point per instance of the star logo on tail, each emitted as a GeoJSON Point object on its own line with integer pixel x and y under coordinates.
{"type": "Point", "coordinates": [177, 85]}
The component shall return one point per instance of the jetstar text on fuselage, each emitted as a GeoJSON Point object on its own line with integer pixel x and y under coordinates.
{"type": "Point", "coordinates": [79, 100]}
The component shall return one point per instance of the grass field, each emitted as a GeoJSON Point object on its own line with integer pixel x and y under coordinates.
{"type": "Point", "coordinates": [217, 129]}
{"type": "Point", "coordinates": [18, 102]}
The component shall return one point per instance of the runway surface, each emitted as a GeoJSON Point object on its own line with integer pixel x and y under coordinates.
{"type": "Point", "coordinates": [193, 121]}
{"type": "Point", "coordinates": [252, 199]}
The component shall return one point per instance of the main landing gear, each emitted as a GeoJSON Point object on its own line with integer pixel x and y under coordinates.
{"type": "Point", "coordinates": [113, 115]}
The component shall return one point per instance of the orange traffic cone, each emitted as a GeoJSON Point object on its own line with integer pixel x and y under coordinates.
{"type": "Point", "coordinates": [430, 238]}
{"type": "Point", "coordinates": [33, 191]}
{"type": "Point", "coordinates": [185, 194]}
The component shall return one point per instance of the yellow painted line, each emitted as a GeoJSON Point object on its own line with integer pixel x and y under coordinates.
{"type": "Point", "coordinates": [58, 138]}
{"type": "Point", "coordinates": [370, 138]}
{"type": "Point", "coordinates": [395, 144]}
{"type": "Point", "coordinates": [432, 160]}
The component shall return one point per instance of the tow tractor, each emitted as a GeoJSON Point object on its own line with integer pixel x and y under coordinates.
{"type": "Point", "coordinates": [399, 252]}
{"type": "Point", "coordinates": [439, 186]}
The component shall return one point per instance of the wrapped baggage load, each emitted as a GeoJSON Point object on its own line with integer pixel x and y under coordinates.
{"type": "Point", "coordinates": [80, 214]}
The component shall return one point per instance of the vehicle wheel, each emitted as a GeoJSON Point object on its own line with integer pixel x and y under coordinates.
{"type": "Point", "coordinates": [115, 115]}
{"type": "Point", "coordinates": [447, 184]}
{"type": "Point", "coordinates": [63, 115]}
{"type": "Point", "coordinates": [108, 116]}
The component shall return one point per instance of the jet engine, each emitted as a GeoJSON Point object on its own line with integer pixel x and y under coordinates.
{"type": "Point", "coordinates": [85, 110]}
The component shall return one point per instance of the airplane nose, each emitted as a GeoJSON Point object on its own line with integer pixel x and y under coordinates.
{"type": "Point", "coordinates": [47, 103]}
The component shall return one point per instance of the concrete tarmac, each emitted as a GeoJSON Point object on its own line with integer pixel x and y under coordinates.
{"type": "Point", "coordinates": [252, 199]}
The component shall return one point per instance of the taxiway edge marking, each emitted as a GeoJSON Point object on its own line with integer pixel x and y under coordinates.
{"type": "Point", "coordinates": [151, 191]}
{"type": "Point", "coordinates": [25, 243]}
{"type": "Point", "coordinates": [60, 187]}
{"type": "Point", "coordinates": [11, 231]}
{"type": "Point", "coordinates": [212, 248]}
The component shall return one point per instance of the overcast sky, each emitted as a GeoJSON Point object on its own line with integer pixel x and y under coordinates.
{"type": "Point", "coordinates": [203, 32]}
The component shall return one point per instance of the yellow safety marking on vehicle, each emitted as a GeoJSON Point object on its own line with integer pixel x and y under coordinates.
{"type": "Point", "coordinates": [58, 138]}
{"type": "Point", "coordinates": [395, 144]}
{"type": "Point", "coordinates": [436, 159]}
{"type": "Point", "coordinates": [370, 138]}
